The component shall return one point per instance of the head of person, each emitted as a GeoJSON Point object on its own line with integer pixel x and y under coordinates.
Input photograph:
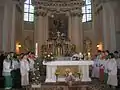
{"type": "Point", "coordinates": [8, 56]}
{"type": "Point", "coordinates": [111, 56]}
{"type": "Point", "coordinates": [99, 52]}
{"type": "Point", "coordinates": [32, 55]}
{"type": "Point", "coordinates": [103, 53]}
{"type": "Point", "coordinates": [12, 54]}
{"type": "Point", "coordinates": [25, 56]}
{"type": "Point", "coordinates": [107, 52]}
{"type": "Point", "coordinates": [116, 54]}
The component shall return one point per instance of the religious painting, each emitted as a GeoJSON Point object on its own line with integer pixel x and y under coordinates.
{"type": "Point", "coordinates": [58, 22]}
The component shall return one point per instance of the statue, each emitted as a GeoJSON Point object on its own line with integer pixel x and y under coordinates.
{"type": "Point", "coordinates": [88, 45]}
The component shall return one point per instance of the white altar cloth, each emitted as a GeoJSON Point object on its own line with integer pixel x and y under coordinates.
{"type": "Point", "coordinates": [52, 66]}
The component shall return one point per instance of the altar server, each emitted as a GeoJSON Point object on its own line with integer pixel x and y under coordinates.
{"type": "Point", "coordinates": [95, 70]}
{"type": "Point", "coordinates": [24, 69]}
{"type": "Point", "coordinates": [7, 68]}
{"type": "Point", "coordinates": [112, 71]}
{"type": "Point", "coordinates": [118, 70]}
{"type": "Point", "coordinates": [102, 66]}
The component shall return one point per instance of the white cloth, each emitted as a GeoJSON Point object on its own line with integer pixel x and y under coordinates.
{"type": "Point", "coordinates": [112, 72]}
{"type": "Point", "coordinates": [31, 64]}
{"type": "Point", "coordinates": [16, 64]}
{"type": "Point", "coordinates": [95, 70]}
{"type": "Point", "coordinates": [6, 67]}
{"type": "Point", "coordinates": [24, 69]}
{"type": "Point", "coordinates": [102, 63]}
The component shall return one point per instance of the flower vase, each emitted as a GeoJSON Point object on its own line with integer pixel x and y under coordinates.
{"type": "Point", "coordinates": [56, 78]}
{"type": "Point", "coordinates": [79, 74]}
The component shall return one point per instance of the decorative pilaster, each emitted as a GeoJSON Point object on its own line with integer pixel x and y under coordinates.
{"type": "Point", "coordinates": [9, 27]}
{"type": "Point", "coordinates": [77, 32]}
{"type": "Point", "coordinates": [109, 27]}
{"type": "Point", "coordinates": [41, 32]}
{"type": "Point", "coordinates": [70, 27]}
{"type": "Point", "coordinates": [13, 40]}
{"type": "Point", "coordinates": [5, 30]}
{"type": "Point", "coordinates": [45, 28]}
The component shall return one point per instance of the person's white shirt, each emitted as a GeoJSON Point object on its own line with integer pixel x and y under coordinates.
{"type": "Point", "coordinates": [112, 72]}
{"type": "Point", "coordinates": [16, 64]}
{"type": "Point", "coordinates": [24, 66]}
{"type": "Point", "coordinates": [31, 64]}
{"type": "Point", "coordinates": [112, 66]}
{"type": "Point", "coordinates": [95, 70]}
{"type": "Point", "coordinates": [6, 66]}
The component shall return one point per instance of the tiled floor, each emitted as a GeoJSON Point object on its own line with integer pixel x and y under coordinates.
{"type": "Point", "coordinates": [94, 85]}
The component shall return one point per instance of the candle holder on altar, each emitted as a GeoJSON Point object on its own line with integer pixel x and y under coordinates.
{"type": "Point", "coordinates": [89, 56]}
{"type": "Point", "coordinates": [80, 56]}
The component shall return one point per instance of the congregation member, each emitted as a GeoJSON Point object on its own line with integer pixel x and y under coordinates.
{"type": "Point", "coordinates": [7, 68]}
{"type": "Point", "coordinates": [117, 57]}
{"type": "Point", "coordinates": [105, 66]}
{"type": "Point", "coordinates": [102, 64]}
{"type": "Point", "coordinates": [2, 57]}
{"type": "Point", "coordinates": [31, 59]}
{"type": "Point", "coordinates": [16, 71]}
{"type": "Point", "coordinates": [24, 69]}
{"type": "Point", "coordinates": [112, 71]}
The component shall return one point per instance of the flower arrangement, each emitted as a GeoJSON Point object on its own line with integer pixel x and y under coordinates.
{"type": "Point", "coordinates": [48, 56]}
{"type": "Point", "coordinates": [79, 74]}
{"type": "Point", "coordinates": [57, 73]}
{"type": "Point", "coordinates": [70, 78]}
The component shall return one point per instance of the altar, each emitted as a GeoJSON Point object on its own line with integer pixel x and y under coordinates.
{"type": "Point", "coordinates": [52, 67]}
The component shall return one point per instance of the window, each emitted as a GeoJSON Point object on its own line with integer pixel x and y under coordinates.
{"type": "Point", "coordinates": [28, 11]}
{"type": "Point", "coordinates": [86, 10]}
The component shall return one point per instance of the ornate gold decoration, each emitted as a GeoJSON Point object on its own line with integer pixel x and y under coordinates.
{"type": "Point", "coordinates": [59, 6]}
{"type": "Point", "coordinates": [58, 45]}
{"type": "Point", "coordinates": [87, 45]}
{"type": "Point", "coordinates": [87, 48]}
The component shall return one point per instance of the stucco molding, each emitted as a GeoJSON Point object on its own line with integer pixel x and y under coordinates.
{"type": "Point", "coordinates": [58, 6]}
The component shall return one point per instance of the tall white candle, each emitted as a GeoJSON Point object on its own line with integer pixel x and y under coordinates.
{"type": "Point", "coordinates": [36, 49]}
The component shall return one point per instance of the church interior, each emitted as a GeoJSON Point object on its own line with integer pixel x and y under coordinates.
{"type": "Point", "coordinates": [59, 29]}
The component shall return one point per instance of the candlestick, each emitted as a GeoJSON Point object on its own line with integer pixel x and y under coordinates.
{"type": "Point", "coordinates": [36, 49]}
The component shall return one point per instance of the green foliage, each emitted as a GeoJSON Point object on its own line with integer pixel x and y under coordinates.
{"type": "Point", "coordinates": [48, 56]}
{"type": "Point", "coordinates": [36, 73]}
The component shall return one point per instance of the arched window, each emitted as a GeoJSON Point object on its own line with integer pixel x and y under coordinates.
{"type": "Point", "coordinates": [86, 10]}
{"type": "Point", "coordinates": [28, 11]}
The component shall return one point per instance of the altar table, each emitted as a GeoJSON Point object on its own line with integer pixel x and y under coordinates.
{"type": "Point", "coordinates": [52, 66]}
